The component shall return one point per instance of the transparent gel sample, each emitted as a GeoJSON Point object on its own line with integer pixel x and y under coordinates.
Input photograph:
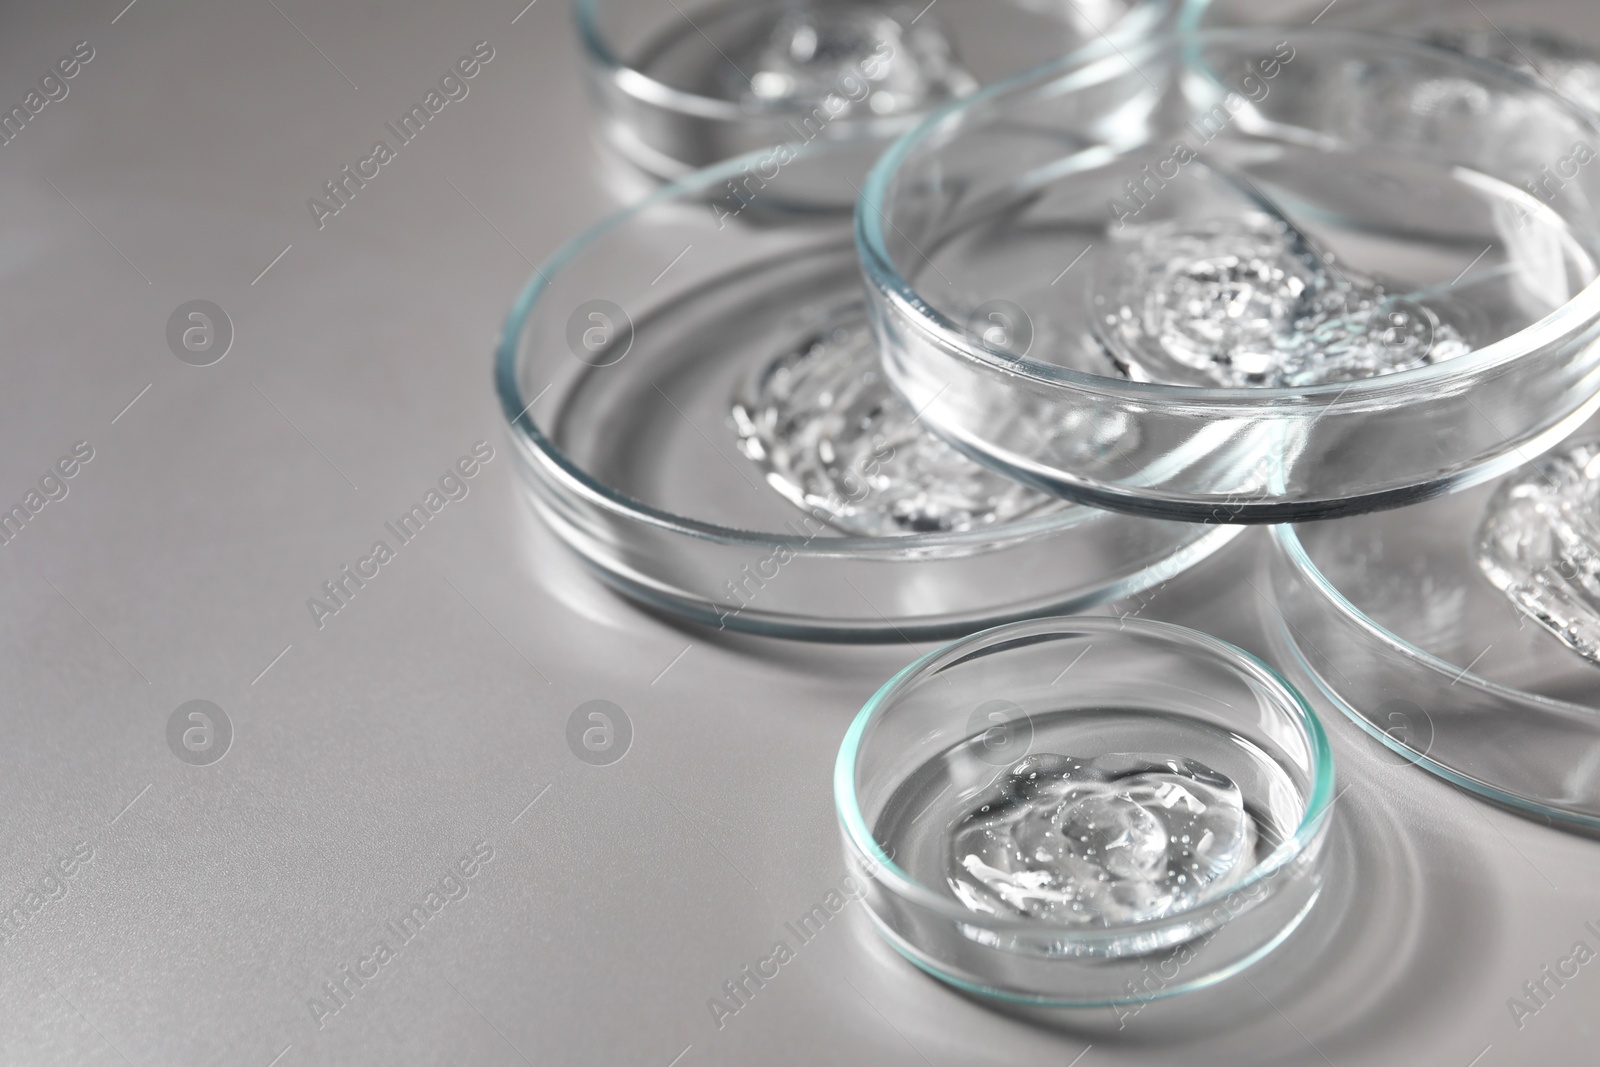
{"type": "Point", "coordinates": [1563, 63]}
{"type": "Point", "coordinates": [832, 437]}
{"type": "Point", "coordinates": [1540, 544]}
{"type": "Point", "coordinates": [1117, 839]}
{"type": "Point", "coordinates": [1246, 301]}
{"type": "Point", "coordinates": [870, 59]}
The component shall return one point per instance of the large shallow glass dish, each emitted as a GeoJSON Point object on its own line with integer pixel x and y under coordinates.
{"type": "Point", "coordinates": [1397, 623]}
{"type": "Point", "coordinates": [1357, 157]}
{"type": "Point", "coordinates": [930, 746]}
{"type": "Point", "coordinates": [618, 371]}
{"type": "Point", "coordinates": [681, 85]}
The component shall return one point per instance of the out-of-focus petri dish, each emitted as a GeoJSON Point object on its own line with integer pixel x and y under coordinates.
{"type": "Point", "coordinates": [1555, 43]}
{"type": "Point", "coordinates": [695, 398]}
{"type": "Point", "coordinates": [1462, 632]}
{"type": "Point", "coordinates": [681, 85]}
{"type": "Point", "coordinates": [1307, 272]}
{"type": "Point", "coordinates": [1054, 811]}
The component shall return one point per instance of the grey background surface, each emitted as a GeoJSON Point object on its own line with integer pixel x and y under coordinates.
{"type": "Point", "coordinates": [429, 716]}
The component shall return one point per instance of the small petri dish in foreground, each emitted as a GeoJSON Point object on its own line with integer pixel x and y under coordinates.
{"type": "Point", "coordinates": [1464, 632]}
{"type": "Point", "coordinates": [683, 85]}
{"type": "Point", "coordinates": [1083, 812]}
{"type": "Point", "coordinates": [1306, 272]}
{"type": "Point", "coordinates": [694, 394]}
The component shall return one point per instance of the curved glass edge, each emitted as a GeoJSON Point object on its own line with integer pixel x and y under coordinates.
{"type": "Point", "coordinates": [518, 415]}
{"type": "Point", "coordinates": [888, 630]}
{"type": "Point", "coordinates": [1204, 981]}
{"type": "Point", "coordinates": [1190, 508]}
{"type": "Point", "coordinates": [854, 825]}
{"type": "Point", "coordinates": [1142, 19]}
{"type": "Point", "coordinates": [1081, 68]}
{"type": "Point", "coordinates": [1300, 559]}
{"type": "Point", "coordinates": [1297, 556]}
{"type": "Point", "coordinates": [517, 412]}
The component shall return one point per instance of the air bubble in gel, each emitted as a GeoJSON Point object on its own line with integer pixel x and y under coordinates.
{"type": "Point", "coordinates": [1539, 543]}
{"type": "Point", "coordinates": [836, 440]}
{"type": "Point", "coordinates": [1246, 302]}
{"type": "Point", "coordinates": [1120, 838]}
{"type": "Point", "coordinates": [850, 58]}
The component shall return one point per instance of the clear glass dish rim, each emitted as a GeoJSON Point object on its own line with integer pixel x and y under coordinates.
{"type": "Point", "coordinates": [1295, 552]}
{"type": "Point", "coordinates": [641, 85]}
{"type": "Point", "coordinates": [1319, 799]}
{"type": "Point", "coordinates": [1083, 68]}
{"type": "Point", "coordinates": [517, 412]}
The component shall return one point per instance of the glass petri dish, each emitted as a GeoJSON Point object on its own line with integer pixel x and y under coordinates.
{"type": "Point", "coordinates": [1395, 619]}
{"type": "Point", "coordinates": [640, 372]}
{"type": "Point", "coordinates": [1553, 42]}
{"type": "Point", "coordinates": [1180, 787]}
{"type": "Point", "coordinates": [681, 86]}
{"type": "Point", "coordinates": [1302, 270]}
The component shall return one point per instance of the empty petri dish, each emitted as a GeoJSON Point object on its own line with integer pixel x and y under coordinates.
{"type": "Point", "coordinates": [1464, 633]}
{"type": "Point", "coordinates": [1306, 272]}
{"type": "Point", "coordinates": [1057, 811]}
{"type": "Point", "coordinates": [1553, 42]}
{"type": "Point", "coordinates": [694, 393]}
{"type": "Point", "coordinates": [683, 85]}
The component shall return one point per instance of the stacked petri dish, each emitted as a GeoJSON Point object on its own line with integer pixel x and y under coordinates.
{"type": "Point", "coordinates": [1464, 632]}
{"type": "Point", "coordinates": [678, 86]}
{"type": "Point", "coordinates": [1061, 340]}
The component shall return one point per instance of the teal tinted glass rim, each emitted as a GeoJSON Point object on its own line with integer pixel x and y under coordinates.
{"type": "Point", "coordinates": [854, 825]}
{"type": "Point", "coordinates": [1141, 17]}
{"type": "Point", "coordinates": [1044, 1000]}
{"type": "Point", "coordinates": [1092, 66]}
{"type": "Point", "coordinates": [517, 410]}
{"type": "Point", "coordinates": [1295, 551]}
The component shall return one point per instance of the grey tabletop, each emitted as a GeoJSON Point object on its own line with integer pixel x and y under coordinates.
{"type": "Point", "coordinates": [167, 907]}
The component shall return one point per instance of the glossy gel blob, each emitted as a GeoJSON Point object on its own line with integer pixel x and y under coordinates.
{"type": "Point", "coordinates": [1117, 839]}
